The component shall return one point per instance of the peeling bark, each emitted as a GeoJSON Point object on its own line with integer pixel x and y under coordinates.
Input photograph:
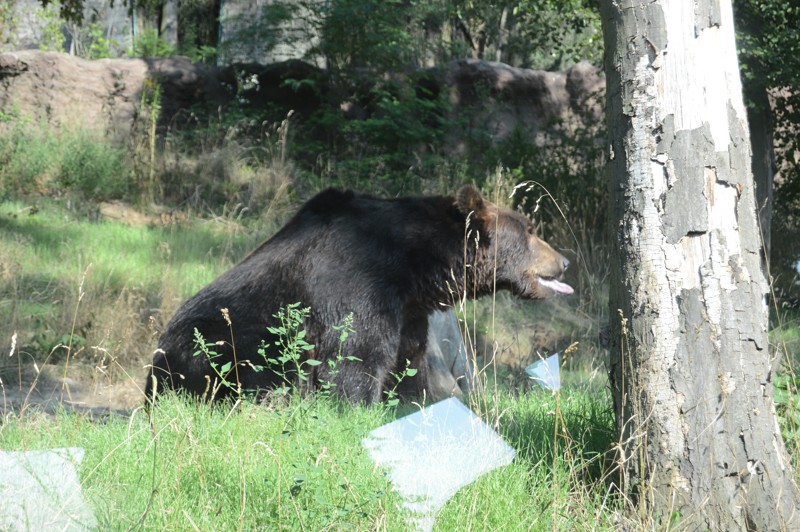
{"type": "Point", "coordinates": [691, 371]}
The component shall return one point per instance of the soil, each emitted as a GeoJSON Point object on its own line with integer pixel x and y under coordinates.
{"type": "Point", "coordinates": [50, 392]}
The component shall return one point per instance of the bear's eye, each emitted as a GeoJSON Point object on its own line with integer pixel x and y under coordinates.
{"type": "Point", "coordinates": [531, 230]}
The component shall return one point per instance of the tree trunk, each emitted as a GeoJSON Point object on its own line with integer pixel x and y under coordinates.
{"type": "Point", "coordinates": [760, 119]}
{"type": "Point", "coordinates": [169, 22]}
{"type": "Point", "coordinates": [691, 371]}
{"type": "Point", "coordinates": [502, 35]}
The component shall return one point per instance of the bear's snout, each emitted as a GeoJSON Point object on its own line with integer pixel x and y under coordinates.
{"type": "Point", "coordinates": [548, 274]}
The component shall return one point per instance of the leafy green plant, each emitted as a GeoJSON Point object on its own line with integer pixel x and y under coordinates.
{"type": "Point", "coordinates": [51, 38]}
{"type": "Point", "coordinates": [150, 44]}
{"type": "Point", "coordinates": [392, 397]}
{"type": "Point", "coordinates": [9, 21]}
{"type": "Point", "coordinates": [100, 46]}
{"type": "Point", "coordinates": [393, 148]}
{"type": "Point", "coordinates": [144, 141]}
{"type": "Point", "coordinates": [35, 158]}
{"type": "Point", "coordinates": [787, 405]}
{"type": "Point", "coordinates": [95, 168]}
{"type": "Point", "coordinates": [28, 155]}
{"type": "Point", "coordinates": [385, 38]}
{"type": "Point", "coordinates": [291, 346]}
{"type": "Point", "coordinates": [290, 362]}
{"type": "Point", "coordinates": [334, 365]}
{"type": "Point", "coordinates": [222, 370]}
{"type": "Point", "coordinates": [204, 53]}
{"type": "Point", "coordinates": [190, 41]}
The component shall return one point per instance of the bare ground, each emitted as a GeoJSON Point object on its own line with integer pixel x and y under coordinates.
{"type": "Point", "coordinates": [50, 391]}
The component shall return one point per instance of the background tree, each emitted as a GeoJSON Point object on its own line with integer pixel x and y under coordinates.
{"type": "Point", "coordinates": [691, 369]}
{"type": "Point", "coordinates": [544, 34]}
{"type": "Point", "coordinates": [769, 51]}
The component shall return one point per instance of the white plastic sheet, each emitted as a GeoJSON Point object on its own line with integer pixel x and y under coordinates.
{"type": "Point", "coordinates": [40, 491]}
{"type": "Point", "coordinates": [546, 372]}
{"type": "Point", "coordinates": [433, 453]}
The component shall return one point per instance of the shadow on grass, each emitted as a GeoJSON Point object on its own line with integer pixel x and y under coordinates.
{"type": "Point", "coordinates": [543, 427]}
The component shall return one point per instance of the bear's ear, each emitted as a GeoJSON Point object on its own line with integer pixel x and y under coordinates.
{"type": "Point", "coordinates": [469, 199]}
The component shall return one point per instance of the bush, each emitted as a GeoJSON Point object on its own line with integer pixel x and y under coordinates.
{"type": "Point", "coordinates": [28, 155]}
{"type": "Point", "coordinates": [35, 159]}
{"type": "Point", "coordinates": [149, 44]}
{"type": "Point", "coordinates": [94, 168]}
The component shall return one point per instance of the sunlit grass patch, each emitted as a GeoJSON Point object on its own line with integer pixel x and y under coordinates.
{"type": "Point", "coordinates": [60, 267]}
{"type": "Point", "coordinates": [52, 240]}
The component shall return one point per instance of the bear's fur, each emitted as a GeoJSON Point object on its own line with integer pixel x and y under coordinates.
{"type": "Point", "coordinates": [390, 262]}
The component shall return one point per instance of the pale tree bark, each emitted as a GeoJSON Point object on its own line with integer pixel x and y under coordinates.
{"type": "Point", "coordinates": [502, 35]}
{"type": "Point", "coordinates": [691, 369]}
{"type": "Point", "coordinates": [169, 22]}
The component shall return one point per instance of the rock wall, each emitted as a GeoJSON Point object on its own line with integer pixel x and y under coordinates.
{"type": "Point", "coordinates": [502, 99]}
{"type": "Point", "coordinates": [104, 94]}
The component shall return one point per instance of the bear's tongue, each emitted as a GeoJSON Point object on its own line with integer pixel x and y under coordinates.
{"type": "Point", "coordinates": [556, 286]}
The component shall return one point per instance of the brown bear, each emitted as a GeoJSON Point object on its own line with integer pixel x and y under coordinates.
{"type": "Point", "coordinates": [389, 262]}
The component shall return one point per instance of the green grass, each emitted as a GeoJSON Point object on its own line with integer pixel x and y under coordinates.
{"type": "Point", "coordinates": [66, 274]}
{"type": "Point", "coordinates": [59, 265]}
{"type": "Point", "coordinates": [288, 468]}
{"type": "Point", "coordinates": [64, 244]}
{"type": "Point", "coordinates": [299, 465]}
{"type": "Point", "coordinates": [784, 337]}
{"type": "Point", "coordinates": [95, 293]}
{"type": "Point", "coordinates": [557, 479]}
{"type": "Point", "coordinates": [69, 278]}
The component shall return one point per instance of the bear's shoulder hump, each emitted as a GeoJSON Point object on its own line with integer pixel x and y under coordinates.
{"type": "Point", "coordinates": [329, 200]}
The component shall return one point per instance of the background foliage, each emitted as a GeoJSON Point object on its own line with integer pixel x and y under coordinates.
{"type": "Point", "coordinates": [769, 52]}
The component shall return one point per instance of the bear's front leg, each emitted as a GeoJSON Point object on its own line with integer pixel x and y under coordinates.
{"type": "Point", "coordinates": [361, 372]}
{"type": "Point", "coordinates": [411, 355]}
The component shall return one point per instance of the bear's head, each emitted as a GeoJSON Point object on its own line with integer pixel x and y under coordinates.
{"type": "Point", "coordinates": [509, 255]}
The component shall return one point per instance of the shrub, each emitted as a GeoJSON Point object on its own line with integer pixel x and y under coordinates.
{"type": "Point", "coordinates": [28, 155]}
{"type": "Point", "coordinates": [92, 167]}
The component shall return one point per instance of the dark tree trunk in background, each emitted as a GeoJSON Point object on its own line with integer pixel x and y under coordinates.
{"type": "Point", "coordinates": [759, 117]}
{"type": "Point", "coordinates": [691, 370]}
